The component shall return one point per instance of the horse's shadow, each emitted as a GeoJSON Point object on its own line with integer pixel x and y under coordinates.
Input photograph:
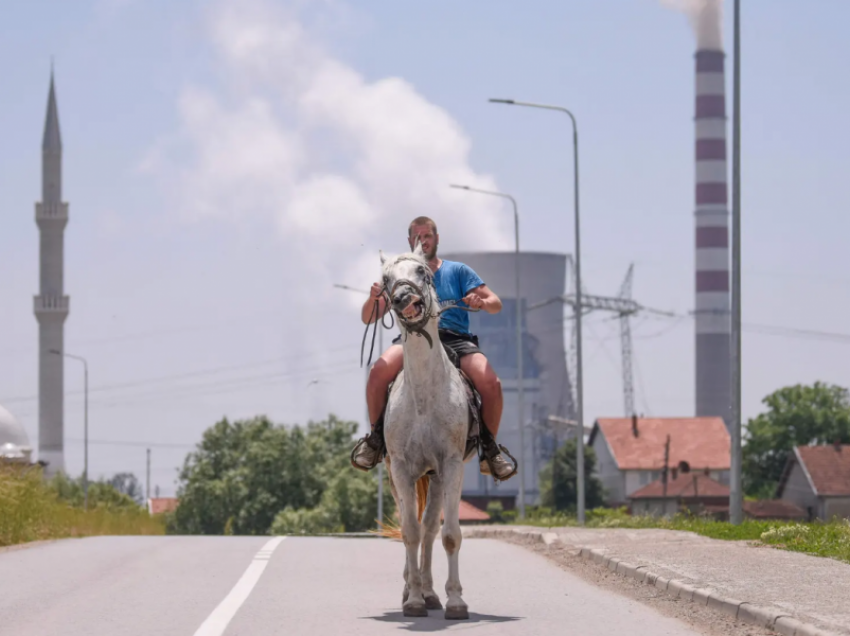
{"type": "Point", "coordinates": [435, 621]}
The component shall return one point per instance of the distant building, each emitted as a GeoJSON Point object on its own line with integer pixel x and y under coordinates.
{"type": "Point", "coordinates": [546, 384]}
{"type": "Point", "coordinates": [630, 451]}
{"type": "Point", "coordinates": [817, 479]}
{"type": "Point", "coordinates": [160, 505]}
{"type": "Point", "coordinates": [684, 491]}
{"type": "Point", "coordinates": [702, 495]}
{"type": "Point", "coordinates": [14, 443]}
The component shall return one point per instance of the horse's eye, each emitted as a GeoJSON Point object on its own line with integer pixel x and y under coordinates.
{"type": "Point", "coordinates": [421, 270]}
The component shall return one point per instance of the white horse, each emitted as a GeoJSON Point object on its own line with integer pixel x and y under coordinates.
{"type": "Point", "coordinates": [425, 430]}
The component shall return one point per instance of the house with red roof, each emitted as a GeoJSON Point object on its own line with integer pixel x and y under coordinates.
{"type": "Point", "coordinates": [700, 494]}
{"type": "Point", "coordinates": [817, 479]}
{"type": "Point", "coordinates": [161, 505]}
{"type": "Point", "coordinates": [630, 451]}
{"type": "Point", "coordinates": [693, 491]}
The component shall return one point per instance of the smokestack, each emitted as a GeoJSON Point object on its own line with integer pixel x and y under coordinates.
{"type": "Point", "coordinates": [634, 425]}
{"type": "Point", "coordinates": [713, 320]}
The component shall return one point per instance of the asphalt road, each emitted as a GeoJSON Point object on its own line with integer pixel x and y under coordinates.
{"type": "Point", "coordinates": [241, 586]}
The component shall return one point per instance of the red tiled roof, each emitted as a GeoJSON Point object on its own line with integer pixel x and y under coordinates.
{"type": "Point", "coordinates": [688, 485]}
{"type": "Point", "coordinates": [773, 509]}
{"type": "Point", "coordinates": [703, 442]}
{"type": "Point", "coordinates": [828, 467]}
{"type": "Point", "coordinates": [158, 505]}
{"type": "Point", "coordinates": [468, 512]}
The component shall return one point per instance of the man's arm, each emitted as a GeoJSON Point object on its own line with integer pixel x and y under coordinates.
{"type": "Point", "coordinates": [376, 293]}
{"type": "Point", "coordinates": [482, 297]}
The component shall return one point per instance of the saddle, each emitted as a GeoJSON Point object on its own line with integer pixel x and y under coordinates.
{"type": "Point", "coordinates": [473, 401]}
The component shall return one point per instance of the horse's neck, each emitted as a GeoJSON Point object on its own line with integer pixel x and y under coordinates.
{"type": "Point", "coordinates": [425, 367]}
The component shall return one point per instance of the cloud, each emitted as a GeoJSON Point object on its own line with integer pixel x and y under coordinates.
{"type": "Point", "coordinates": [296, 141]}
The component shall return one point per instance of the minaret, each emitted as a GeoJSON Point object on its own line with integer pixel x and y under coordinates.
{"type": "Point", "coordinates": [51, 305]}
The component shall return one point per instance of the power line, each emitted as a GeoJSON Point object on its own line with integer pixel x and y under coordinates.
{"type": "Point", "coordinates": [114, 442]}
{"type": "Point", "coordinates": [179, 376]}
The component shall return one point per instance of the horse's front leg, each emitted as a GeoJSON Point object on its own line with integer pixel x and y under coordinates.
{"type": "Point", "coordinates": [452, 537]}
{"type": "Point", "coordinates": [410, 535]}
{"type": "Point", "coordinates": [430, 529]}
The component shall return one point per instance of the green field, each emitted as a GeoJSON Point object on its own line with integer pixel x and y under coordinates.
{"type": "Point", "coordinates": [32, 510]}
{"type": "Point", "coordinates": [821, 539]}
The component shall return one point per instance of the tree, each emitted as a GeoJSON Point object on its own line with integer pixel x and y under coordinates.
{"type": "Point", "coordinates": [101, 493]}
{"type": "Point", "coordinates": [796, 416]}
{"type": "Point", "coordinates": [244, 473]}
{"type": "Point", "coordinates": [558, 479]}
{"type": "Point", "coordinates": [128, 484]}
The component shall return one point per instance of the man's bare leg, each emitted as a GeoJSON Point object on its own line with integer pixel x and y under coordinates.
{"type": "Point", "coordinates": [367, 453]}
{"type": "Point", "coordinates": [477, 367]}
{"type": "Point", "coordinates": [382, 373]}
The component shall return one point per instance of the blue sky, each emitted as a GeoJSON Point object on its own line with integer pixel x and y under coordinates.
{"type": "Point", "coordinates": [224, 166]}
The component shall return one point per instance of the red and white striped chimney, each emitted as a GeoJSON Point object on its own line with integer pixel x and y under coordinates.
{"type": "Point", "coordinates": [713, 323]}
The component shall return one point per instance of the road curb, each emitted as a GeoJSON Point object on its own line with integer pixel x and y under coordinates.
{"type": "Point", "coordinates": [744, 611]}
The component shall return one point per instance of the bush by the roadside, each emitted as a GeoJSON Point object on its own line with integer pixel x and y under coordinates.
{"type": "Point", "coordinates": [32, 510]}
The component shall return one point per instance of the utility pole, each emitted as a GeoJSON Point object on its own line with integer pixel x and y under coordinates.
{"type": "Point", "coordinates": [380, 327]}
{"type": "Point", "coordinates": [666, 468]}
{"type": "Point", "coordinates": [736, 495]}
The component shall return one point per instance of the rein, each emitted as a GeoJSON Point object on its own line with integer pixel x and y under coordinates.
{"type": "Point", "coordinates": [419, 327]}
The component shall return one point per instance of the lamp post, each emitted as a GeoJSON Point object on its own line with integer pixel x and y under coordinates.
{"type": "Point", "coordinates": [519, 359]}
{"type": "Point", "coordinates": [381, 465]}
{"type": "Point", "coordinates": [85, 424]}
{"type": "Point", "coordinates": [579, 383]}
{"type": "Point", "coordinates": [736, 514]}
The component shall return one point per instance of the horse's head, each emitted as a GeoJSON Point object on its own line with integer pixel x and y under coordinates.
{"type": "Point", "coordinates": [409, 283]}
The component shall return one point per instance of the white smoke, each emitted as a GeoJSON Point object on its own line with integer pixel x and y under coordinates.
{"type": "Point", "coordinates": [706, 18]}
{"type": "Point", "coordinates": [299, 139]}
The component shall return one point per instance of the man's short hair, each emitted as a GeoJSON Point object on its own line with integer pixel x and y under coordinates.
{"type": "Point", "coordinates": [421, 220]}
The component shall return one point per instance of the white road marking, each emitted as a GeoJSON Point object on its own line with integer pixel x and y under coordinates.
{"type": "Point", "coordinates": [221, 616]}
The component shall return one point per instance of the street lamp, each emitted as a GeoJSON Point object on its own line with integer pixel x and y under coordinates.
{"type": "Point", "coordinates": [85, 424]}
{"type": "Point", "coordinates": [380, 329]}
{"type": "Point", "coordinates": [579, 384]}
{"type": "Point", "coordinates": [736, 498]}
{"type": "Point", "coordinates": [520, 376]}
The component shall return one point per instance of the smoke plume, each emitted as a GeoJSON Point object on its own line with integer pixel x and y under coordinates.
{"type": "Point", "coordinates": [706, 18]}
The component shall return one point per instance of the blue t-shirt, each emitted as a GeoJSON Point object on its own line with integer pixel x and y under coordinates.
{"type": "Point", "coordinates": [454, 281]}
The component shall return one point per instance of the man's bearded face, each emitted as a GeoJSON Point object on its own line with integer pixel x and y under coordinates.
{"type": "Point", "coordinates": [425, 234]}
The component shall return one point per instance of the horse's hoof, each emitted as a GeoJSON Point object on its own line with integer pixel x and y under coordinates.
{"type": "Point", "coordinates": [404, 596]}
{"type": "Point", "coordinates": [433, 602]}
{"type": "Point", "coordinates": [457, 613]}
{"type": "Point", "coordinates": [414, 610]}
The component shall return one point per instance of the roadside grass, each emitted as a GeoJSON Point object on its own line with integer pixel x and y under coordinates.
{"type": "Point", "coordinates": [30, 510]}
{"type": "Point", "coordinates": [821, 539]}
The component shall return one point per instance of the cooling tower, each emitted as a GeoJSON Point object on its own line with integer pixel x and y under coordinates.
{"type": "Point", "coordinates": [713, 324]}
{"type": "Point", "coordinates": [546, 384]}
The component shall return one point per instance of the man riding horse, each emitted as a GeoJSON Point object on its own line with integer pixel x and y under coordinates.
{"type": "Point", "coordinates": [454, 282]}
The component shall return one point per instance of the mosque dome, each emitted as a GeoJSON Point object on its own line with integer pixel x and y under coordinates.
{"type": "Point", "coordinates": [14, 443]}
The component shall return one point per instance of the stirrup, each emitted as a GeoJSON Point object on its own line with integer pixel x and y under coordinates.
{"type": "Point", "coordinates": [380, 454]}
{"type": "Point", "coordinates": [493, 472]}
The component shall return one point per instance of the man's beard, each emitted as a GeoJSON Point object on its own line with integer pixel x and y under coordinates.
{"type": "Point", "coordinates": [430, 256]}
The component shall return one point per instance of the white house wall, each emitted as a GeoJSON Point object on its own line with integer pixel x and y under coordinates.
{"type": "Point", "coordinates": [798, 491]}
{"type": "Point", "coordinates": [836, 507]}
{"type": "Point", "coordinates": [608, 472]}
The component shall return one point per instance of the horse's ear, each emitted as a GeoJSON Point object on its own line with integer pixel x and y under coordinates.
{"type": "Point", "coordinates": [417, 251]}
{"type": "Point", "coordinates": [383, 258]}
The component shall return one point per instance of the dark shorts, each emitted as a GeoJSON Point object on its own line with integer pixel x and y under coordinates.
{"type": "Point", "coordinates": [461, 344]}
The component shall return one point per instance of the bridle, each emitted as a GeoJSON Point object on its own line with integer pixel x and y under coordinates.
{"type": "Point", "coordinates": [418, 327]}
